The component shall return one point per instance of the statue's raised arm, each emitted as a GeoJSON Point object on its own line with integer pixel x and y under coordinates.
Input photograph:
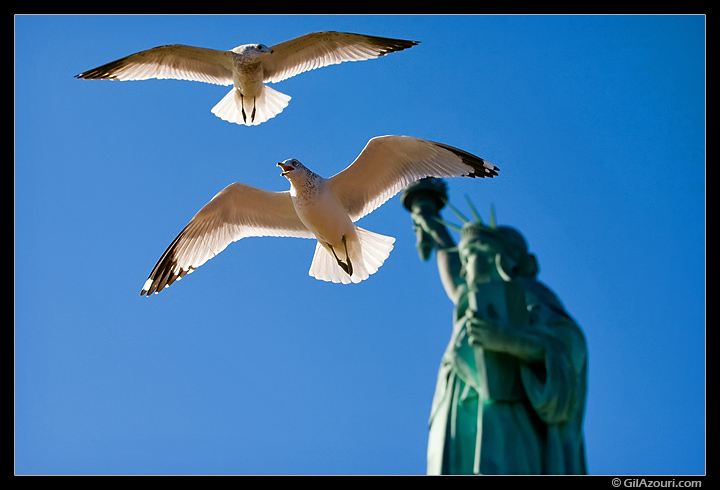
{"type": "Point", "coordinates": [424, 199]}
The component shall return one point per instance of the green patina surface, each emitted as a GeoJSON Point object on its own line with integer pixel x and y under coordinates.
{"type": "Point", "coordinates": [512, 384]}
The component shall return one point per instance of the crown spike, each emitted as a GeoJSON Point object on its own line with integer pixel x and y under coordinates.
{"type": "Point", "coordinates": [457, 212]}
{"type": "Point", "coordinates": [474, 210]}
{"type": "Point", "coordinates": [493, 217]}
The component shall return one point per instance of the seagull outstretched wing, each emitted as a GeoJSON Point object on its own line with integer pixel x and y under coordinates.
{"type": "Point", "coordinates": [175, 61]}
{"type": "Point", "coordinates": [319, 49]}
{"type": "Point", "coordinates": [236, 212]}
{"type": "Point", "coordinates": [387, 164]}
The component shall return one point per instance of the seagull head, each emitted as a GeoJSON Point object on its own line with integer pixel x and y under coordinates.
{"type": "Point", "coordinates": [252, 50]}
{"type": "Point", "coordinates": [290, 165]}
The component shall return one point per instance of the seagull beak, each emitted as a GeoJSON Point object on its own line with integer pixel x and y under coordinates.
{"type": "Point", "coordinates": [286, 169]}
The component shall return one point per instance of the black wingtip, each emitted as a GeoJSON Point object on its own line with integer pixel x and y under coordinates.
{"type": "Point", "coordinates": [389, 45]}
{"type": "Point", "coordinates": [401, 44]}
{"type": "Point", "coordinates": [489, 170]}
{"type": "Point", "coordinates": [481, 168]}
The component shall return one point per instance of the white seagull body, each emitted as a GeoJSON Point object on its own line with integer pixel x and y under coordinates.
{"type": "Point", "coordinates": [314, 207]}
{"type": "Point", "coordinates": [248, 67]}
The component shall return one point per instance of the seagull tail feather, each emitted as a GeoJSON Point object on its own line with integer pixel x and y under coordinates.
{"type": "Point", "coordinates": [266, 105]}
{"type": "Point", "coordinates": [375, 248]}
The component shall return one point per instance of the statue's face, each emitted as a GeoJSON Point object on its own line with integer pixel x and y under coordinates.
{"type": "Point", "coordinates": [484, 242]}
{"type": "Point", "coordinates": [470, 270]}
{"type": "Point", "coordinates": [495, 253]}
{"type": "Point", "coordinates": [478, 260]}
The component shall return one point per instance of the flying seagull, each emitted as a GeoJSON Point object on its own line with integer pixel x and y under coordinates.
{"type": "Point", "coordinates": [248, 67]}
{"type": "Point", "coordinates": [314, 207]}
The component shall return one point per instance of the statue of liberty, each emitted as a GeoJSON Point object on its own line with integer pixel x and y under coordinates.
{"type": "Point", "coordinates": [511, 388]}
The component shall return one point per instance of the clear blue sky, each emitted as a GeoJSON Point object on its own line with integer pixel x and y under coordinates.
{"type": "Point", "coordinates": [249, 365]}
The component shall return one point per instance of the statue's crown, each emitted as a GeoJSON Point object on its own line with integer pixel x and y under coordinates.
{"type": "Point", "coordinates": [471, 230]}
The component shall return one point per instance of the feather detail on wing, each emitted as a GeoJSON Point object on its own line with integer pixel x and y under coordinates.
{"type": "Point", "coordinates": [387, 164]}
{"type": "Point", "coordinates": [174, 61]}
{"type": "Point", "coordinates": [236, 212]}
{"type": "Point", "coordinates": [320, 49]}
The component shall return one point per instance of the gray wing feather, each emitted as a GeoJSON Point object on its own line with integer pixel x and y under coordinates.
{"type": "Point", "coordinates": [387, 164]}
{"type": "Point", "coordinates": [320, 49]}
{"type": "Point", "coordinates": [174, 61]}
{"type": "Point", "coordinates": [236, 212]}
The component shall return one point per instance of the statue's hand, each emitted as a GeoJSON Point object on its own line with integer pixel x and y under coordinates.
{"type": "Point", "coordinates": [424, 218]}
{"type": "Point", "coordinates": [495, 336]}
{"type": "Point", "coordinates": [430, 223]}
{"type": "Point", "coordinates": [485, 333]}
{"type": "Point", "coordinates": [425, 242]}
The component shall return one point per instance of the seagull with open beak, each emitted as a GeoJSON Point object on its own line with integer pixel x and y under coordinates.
{"type": "Point", "coordinates": [317, 208]}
